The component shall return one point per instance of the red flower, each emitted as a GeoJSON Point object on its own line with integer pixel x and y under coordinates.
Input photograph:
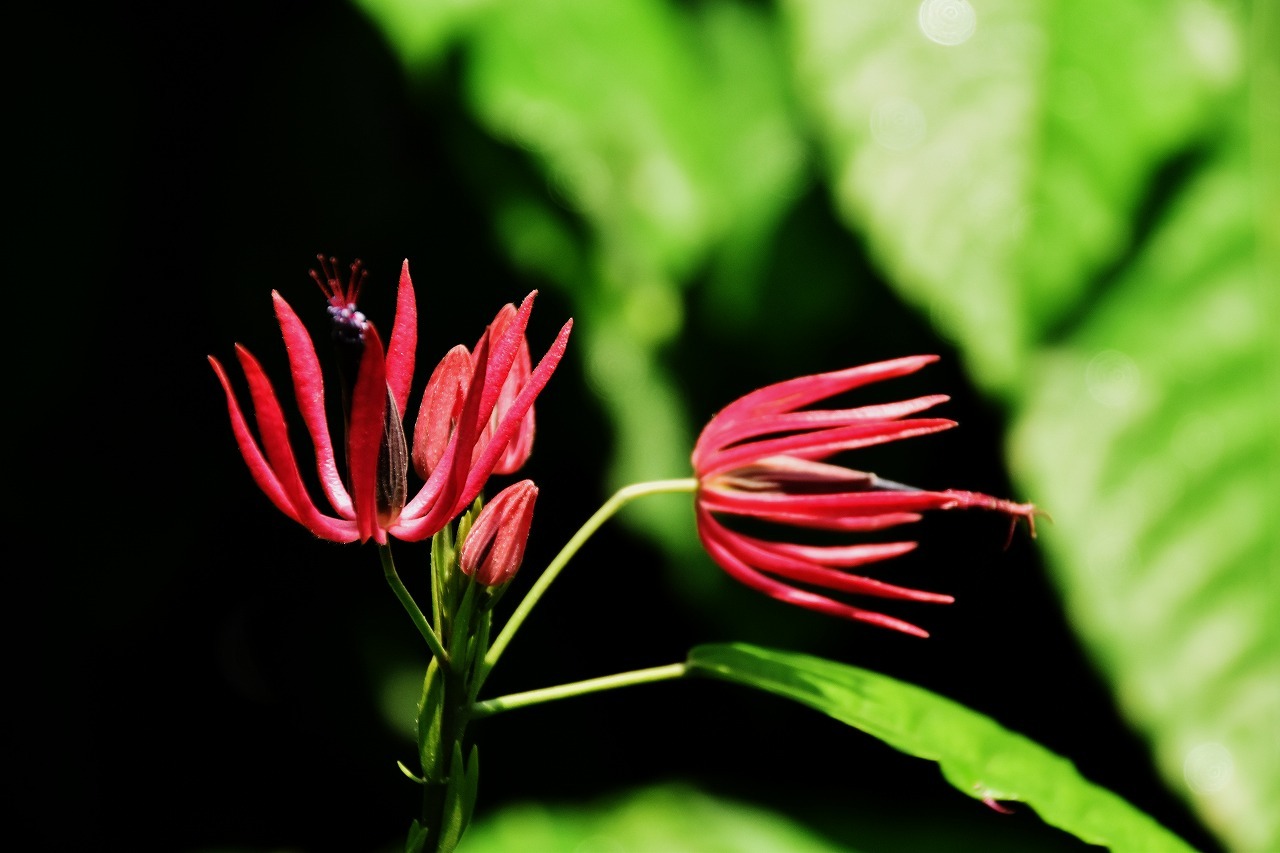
{"type": "Point", "coordinates": [761, 458]}
{"type": "Point", "coordinates": [489, 425]}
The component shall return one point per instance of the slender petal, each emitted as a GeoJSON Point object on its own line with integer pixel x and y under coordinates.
{"type": "Point", "coordinates": [441, 405]}
{"type": "Point", "coordinates": [791, 394]}
{"type": "Point", "coordinates": [274, 433]}
{"type": "Point", "coordinates": [742, 572]}
{"type": "Point", "coordinates": [511, 420]}
{"type": "Point", "coordinates": [402, 349]}
{"type": "Point", "coordinates": [258, 467]}
{"type": "Point", "coordinates": [364, 439]}
{"type": "Point", "coordinates": [822, 443]}
{"type": "Point", "coordinates": [308, 383]}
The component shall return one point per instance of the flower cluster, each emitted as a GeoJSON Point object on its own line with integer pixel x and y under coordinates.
{"type": "Point", "coordinates": [476, 417]}
{"type": "Point", "coordinates": [761, 457]}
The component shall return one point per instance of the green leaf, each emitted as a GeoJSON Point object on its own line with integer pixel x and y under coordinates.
{"type": "Point", "coordinates": [671, 819]}
{"type": "Point", "coordinates": [416, 839]}
{"type": "Point", "coordinates": [996, 167]}
{"type": "Point", "coordinates": [1150, 436]}
{"type": "Point", "coordinates": [977, 755]}
{"type": "Point", "coordinates": [420, 33]}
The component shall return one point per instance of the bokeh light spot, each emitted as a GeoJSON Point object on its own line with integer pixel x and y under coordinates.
{"type": "Point", "coordinates": [1208, 768]}
{"type": "Point", "coordinates": [948, 22]}
{"type": "Point", "coordinates": [898, 124]}
{"type": "Point", "coordinates": [1112, 379]}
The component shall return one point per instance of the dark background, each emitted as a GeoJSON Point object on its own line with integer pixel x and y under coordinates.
{"type": "Point", "coordinates": [207, 674]}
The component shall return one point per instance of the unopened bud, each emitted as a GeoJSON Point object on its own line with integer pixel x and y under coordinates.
{"type": "Point", "coordinates": [494, 548]}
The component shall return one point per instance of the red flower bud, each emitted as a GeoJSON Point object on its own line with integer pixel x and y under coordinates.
{"type": "Point", "coordinates": [494, 548]}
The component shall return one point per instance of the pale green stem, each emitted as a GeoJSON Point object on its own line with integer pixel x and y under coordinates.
{"type": "Point", "coordinates": [411, 606]}
{"type": "Point", "coordinates": [577, 688]}
{"type": "Point", "coordinates": [620, 499]}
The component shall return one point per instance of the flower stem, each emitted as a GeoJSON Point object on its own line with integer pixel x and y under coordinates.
{"type": "Point", "coordinates": [620, 499]}
{"type": "Point", "coordinates": [578, 688]}
{"type": "Point", "coordinates": [411, 606]}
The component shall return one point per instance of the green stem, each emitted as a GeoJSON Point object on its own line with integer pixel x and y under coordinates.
{"type": "Point", "coordinates": [577, 688]}
{"type": "Point", "coordinates": [620, 499]}
{"type": "Point", "coordinates": [415, 613]}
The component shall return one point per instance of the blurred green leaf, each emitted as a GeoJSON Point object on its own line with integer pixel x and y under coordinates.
{"type": "Point", "coordinates": [419, 32]}
{"type": "Point", "coordinates": [976, 755]}
{"type": "Point", "coordinates": [672, 819]}
{"type": "Point", "coordinates": [1150, 435]}
{"type": "Point", "coordinates": [995, 154]}
{"type": "Point", "coordinates": [671, 136]}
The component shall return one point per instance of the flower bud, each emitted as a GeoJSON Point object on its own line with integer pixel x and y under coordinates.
{"type": "Point", "coordinates": [494, 548]}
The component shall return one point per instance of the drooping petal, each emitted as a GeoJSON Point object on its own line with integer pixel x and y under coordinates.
{"type": "Point", "coordinates": [258, 467]}
{"type": "Point", "coordinates": [712, 535]}
{"type": "Point", "coordinates": [308, 383]}
{"type": "Point", "coordinates": [403, 346]}
{"type": "Point", "coordinates": [279, 452]}
{"type": "Point", "coordinates": [776, 559]}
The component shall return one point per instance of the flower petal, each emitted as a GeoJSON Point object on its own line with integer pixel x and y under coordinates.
{"type": "Point", "coordinates": [511, 421]}
{"type": "Point", "coordinates": [441, 405]}
{"type": "Point", "coordinates": [821, 443]}
{"type": "Point", "coordinates": [712, 539]}
{"type": "Point", "coordinates": [403, 347]}
{"type": "Point", "coordinates": [279, 453]}
{"type": "Point", "coordinates": [308, 384]}
{"type": "Point", "coordinates": [365, 435]}
{"type": "Point", "coordinates": [258, 467]}
{"type": "Point", "coordinates": [777, 559]}
{"type": "Point", "coordinates": [788, 422]}
{"type": "Point", "coordinates": [792, 394]}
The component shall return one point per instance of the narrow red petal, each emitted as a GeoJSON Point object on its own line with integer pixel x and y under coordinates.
{"type": "Point", "coordinates": [764, 556]}
{"type": "Point", "coordinates": [816, 419]}
{"type": "Point", "coordinates": [258, 467]}
{"type": "Point", "coordinates": [793, 394]}
{"type": "Point", "coordinates": [743, 573]}
{"type": "Point", "coordinates": [403, 347]}
{"type": "Point", "coordinates": [279, 452]}
{"type": "Point", "coordinates": [823, 505]}
{"type": "Point", "coordinates": [436, 505]}
{"type": "Point", "coordinates": [364, 439]}
{"type": "Point", "coordinates": [512, 421]}
{"type": "Point", "coordinates": [308, 383]}
{"type": "Point", "coordinates": [442, 403]}
{"type": "Point", "coordinates": [820, 444]}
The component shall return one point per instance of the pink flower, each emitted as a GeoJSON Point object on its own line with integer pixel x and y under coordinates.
{"type": "Point", "coordinates": [488, 427]}
{"type": "Point", "coordinates": [494, 547]}
{"type": "Point", "coordinates": [761, 458]}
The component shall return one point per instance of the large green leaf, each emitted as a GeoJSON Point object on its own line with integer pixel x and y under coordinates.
{"type": "Point", "coordinates": [671, 819]}
{"type": "Point", "coordinates": [1150, 435]}
{"type": "Point", "coordinates": [976, 755]}
{"type": "Point", "coordinates": [994, 153]}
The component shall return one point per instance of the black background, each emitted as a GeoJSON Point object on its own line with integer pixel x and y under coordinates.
{"type": "Point", "coordinates": [205, 675]}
